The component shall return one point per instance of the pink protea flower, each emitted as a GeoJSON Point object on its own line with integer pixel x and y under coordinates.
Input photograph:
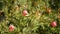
{"type": "Point", "coordinates": [11, 28]}
{"type": "Point", "coordinates": [54, 24]}
{"type": "Point", "coordinates": [25, 13]}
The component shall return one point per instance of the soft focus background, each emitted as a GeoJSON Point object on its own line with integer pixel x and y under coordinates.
{"type": "Point", "coordinates": [29, 16]}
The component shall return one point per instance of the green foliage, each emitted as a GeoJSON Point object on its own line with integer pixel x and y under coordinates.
{"type": "Point", "coordinates": [38, 21]}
